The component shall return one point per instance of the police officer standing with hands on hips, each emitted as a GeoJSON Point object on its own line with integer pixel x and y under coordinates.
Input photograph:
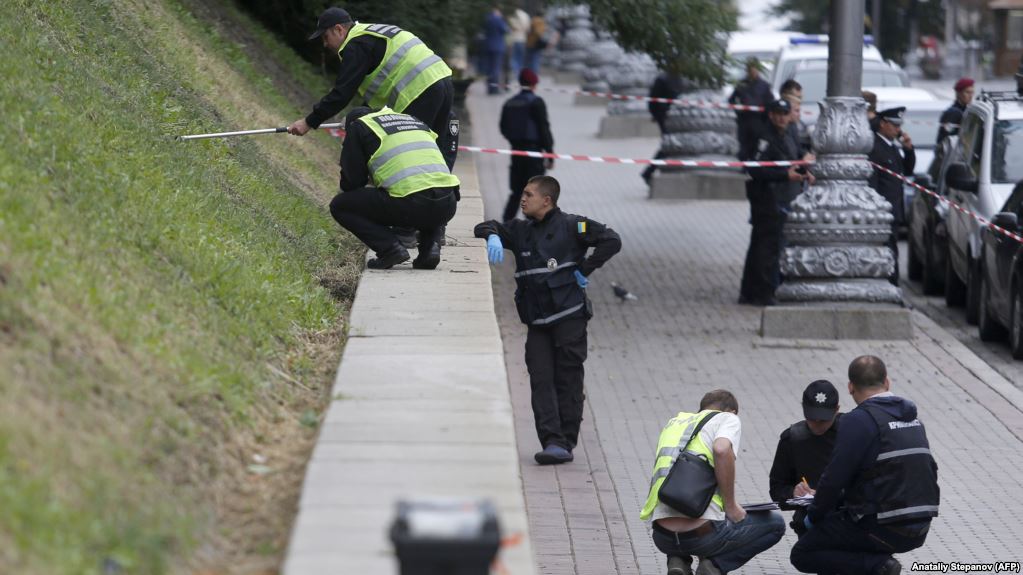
{"type": "Point", "coordinates": [879, 492]}
{"type": "Point", "coordinates": [411, 186]}
{"type": "Point", "coordinates": [953, 116]}
{"type": "Point", "coordinates": [805, 447]}
{"type": "Point", "coordinates": [886, 153]}
{"type": "Point", "coordinates": [551, 270]}
{"type": "Point", "coordinates": [385, 66]}
{"type": "Point", "coordinates": [524, 124]}
{"type": "Point", "coordinates": [770, 191]}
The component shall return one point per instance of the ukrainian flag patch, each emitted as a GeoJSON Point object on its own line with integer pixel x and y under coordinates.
{"type": "Point", "coordinates": [581, 227]}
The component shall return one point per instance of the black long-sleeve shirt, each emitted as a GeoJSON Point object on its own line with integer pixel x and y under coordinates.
{"type": "Point", "coordinates": [537, 114]}
{"type": "Point", "coordinates": [360, 56]}
{"type": "Point", "coordinates": [360, 144]}
{"type": "Point", "coordinates": [800, 455]}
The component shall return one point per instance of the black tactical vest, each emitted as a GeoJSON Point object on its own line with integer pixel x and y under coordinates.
{"type": "Point", "coordinates": [902, 484]}
{"type": "Point", "coordinates": [545, 271]}
{"type": "Point", "coordinates": [517, 124]}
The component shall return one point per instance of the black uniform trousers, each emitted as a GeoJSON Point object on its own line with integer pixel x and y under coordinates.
{"type": "Point", "coordinates": [648, 172]}
{"type": "Point", "coordinates": [522, 168]}
{"type": "Point", "coordinates": [433, 108]}
{"type": "Point", "coordinates": [368, 212]}
{"type": "Point", "coordinates": [838, 544]}
{"type": "Point", "coordinates": [554, 359]}
{"type": "Point", "coordinates": [761, 274]}
{"type": "Point", "coordinates": [749, 126]}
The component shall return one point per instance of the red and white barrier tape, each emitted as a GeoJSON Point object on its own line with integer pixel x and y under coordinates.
{"type": "Point", "coordinates": [612, 160]}
{"type": "Point", "coordinates": [952, 204]}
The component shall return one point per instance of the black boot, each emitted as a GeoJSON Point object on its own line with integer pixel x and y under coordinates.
{"type": "Point", "coordinates": [428, 258]}
{"type": "Point", "coordinates": [388, 259]}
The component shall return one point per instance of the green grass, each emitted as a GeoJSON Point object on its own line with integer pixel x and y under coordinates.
{"type": "Point", "coordinates": [146, 285]}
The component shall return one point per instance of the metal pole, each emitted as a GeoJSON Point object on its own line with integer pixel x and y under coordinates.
{"type": "Point", "coordinates": [845, 48]}
{"type": "Point", "coordinates": [247, 132]}
{"type": "Point", "coordinates": [875, 22]}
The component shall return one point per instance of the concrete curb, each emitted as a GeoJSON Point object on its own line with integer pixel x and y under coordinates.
{"type": "Point", "coordinates": [421, 409]}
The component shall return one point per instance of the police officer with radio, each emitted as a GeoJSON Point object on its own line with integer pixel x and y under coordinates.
{"type": "Point", "coordinates": [879, 492]}
{"type": "Point", "coordinates": [524, 124]}
{"type": "Point", "coordinates": [552, 268]}
{"type": "Point", "coordinates": [385, 66]}
{"type": "Point", "coordinates": [393, 174]}
{"type": "Point", "coordinates": [888, 139]}
{"type": "Point", "coordinates": [770, 190]}
{"type": "Point", "coordinates": [805, 447]}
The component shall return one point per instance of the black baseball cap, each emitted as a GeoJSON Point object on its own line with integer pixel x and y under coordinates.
{"type": "Point", "coordinates": [820, 400]}
{"type": "Point", "coordinates": [330, 17]}
{"type": "Point", "coordinates": [780, 105]}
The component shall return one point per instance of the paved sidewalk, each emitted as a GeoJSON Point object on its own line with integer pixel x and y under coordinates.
{"type": "Point", "coordinates": [421, 409]}
{"type": "Point", "coordinates": [686, 335]}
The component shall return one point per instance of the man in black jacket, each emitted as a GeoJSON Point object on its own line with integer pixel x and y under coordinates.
{"type": "Point", "coordinates": [770, 191]}
{"type": "Point", "coordinates": [551, 269]}
{"type": "Point", "coordinates": [666, 86]}
{"type": "Point", "coordinates": [886, 153]}
{"type": "Point", "coordinates": [751, 91]}
{"type": "Point", "coordinates": [953, 116]}
{"type": "Point", "coordinates": [804, 448]}
{"type": "Point", "coordinates": [879, 492]}
{"type": "Point", "coordinates": [524, 124]}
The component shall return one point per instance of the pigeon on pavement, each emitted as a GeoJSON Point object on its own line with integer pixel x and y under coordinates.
{"type": "Point", "coordinates": [622, 293]}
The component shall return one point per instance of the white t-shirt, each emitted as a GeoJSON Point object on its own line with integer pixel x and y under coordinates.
{"type": "Point", "coordinates": [725, 425]}
{"type": "Point", "coordinates": [518, 26]}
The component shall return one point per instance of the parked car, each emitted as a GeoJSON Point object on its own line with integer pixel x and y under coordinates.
{"type": "Point", "coordinates": [1001, 280]}
{"type": "Point", "coordinates": [811, 48]}
{"type": "Point", "coordinates": [927, 236]}
{"type": "Point", "coordinates": [986, 164]}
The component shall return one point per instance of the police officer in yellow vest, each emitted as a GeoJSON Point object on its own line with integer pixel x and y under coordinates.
{"type": "Point", "coordinates": [725, 537]}
{"type": "Point", "coordinates": [385, 66]}
{"type": "Point", "coordinates": [392, 174]}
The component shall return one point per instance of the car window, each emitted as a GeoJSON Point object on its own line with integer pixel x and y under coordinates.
{"type": "Point", "coordinates": [977, 150]}
{"type": "Point", "coordinates": [1007, 152]}
{"type": "Point", "coordinates": [1015, 201]}
{"type": "Point", "coordinates": [921, 126]}
{"type": "Point", "coordinates": [967, 135]}
{"type": "Point", "coordinates": [815, 82]}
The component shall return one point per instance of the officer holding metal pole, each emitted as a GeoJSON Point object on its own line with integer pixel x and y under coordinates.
{"type": "Point", "coordinates": [551, 273]}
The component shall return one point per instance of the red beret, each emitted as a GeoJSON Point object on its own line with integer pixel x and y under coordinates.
{"type": "Point", "coordinates": [963, 84]}
{"type": "Point", "coordinates": [528, 77]}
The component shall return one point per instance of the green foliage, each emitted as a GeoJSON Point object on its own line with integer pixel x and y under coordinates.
{"type": "Point", "coordinates": [684, 37]}
{"type": "Point", "coordinates": [145, 284]}
{"type": "Point", "coordinates": [441, 24]}
{"type": "Point", "coordinates": [812, 17]}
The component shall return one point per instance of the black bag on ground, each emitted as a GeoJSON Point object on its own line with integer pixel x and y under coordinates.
{"type": "Point", "coordinates": [690, 483]}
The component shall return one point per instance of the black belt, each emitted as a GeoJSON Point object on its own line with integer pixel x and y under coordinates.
{"type": "Point", "coordinates": [705, 529]}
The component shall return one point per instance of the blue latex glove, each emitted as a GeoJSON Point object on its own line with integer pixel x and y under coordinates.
{"type": "Point", "coordinates": [495, 250]}
{"type": "Point", "coordinates": [807, 523]}
{"type": "Point", "coordinates": [581, 279]}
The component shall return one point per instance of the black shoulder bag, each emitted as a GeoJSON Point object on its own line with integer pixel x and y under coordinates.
{"type": "Point", "coordinates": [691, 483]}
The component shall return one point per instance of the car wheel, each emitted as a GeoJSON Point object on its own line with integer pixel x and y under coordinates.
{"type": "Point", "coordinates": [1016, 323]}
{"type": "Point", "coordinates": [915, 268]}
{"type": "Point", "coordinates": [931, 278]}
{"type": "Point", "coordinates": [955, 289]}
{"type": "Point", "coordinates": [972, 293]}
{"type": "Point", "coordinates": [987, 326]}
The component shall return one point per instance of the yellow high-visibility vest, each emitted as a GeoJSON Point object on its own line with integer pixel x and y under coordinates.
{"type": "Point", "coordinates": [407, 69]}
{"type": "Point", "coordinates": [408, 159]}
{"type": "Point", "coordinates": [677, 429]}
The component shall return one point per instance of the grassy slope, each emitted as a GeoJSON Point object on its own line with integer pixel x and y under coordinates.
{"type": "Point", "coordinates": [167, 310]}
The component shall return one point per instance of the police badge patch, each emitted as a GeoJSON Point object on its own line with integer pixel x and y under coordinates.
{"type": "Point", "coordinates": [453, 127]}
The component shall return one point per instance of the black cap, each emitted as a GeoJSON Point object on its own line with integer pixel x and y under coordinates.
{"type": "Point", "coordinates": [892, 115]}
{"type": "Point", "coordinates": [329, 18]}
{"type": "Point", "coordinates": [780, 105]}
{"type": "Point", "coordinates": [820, 400]}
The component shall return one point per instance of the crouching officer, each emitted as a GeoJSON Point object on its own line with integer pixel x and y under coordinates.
{"type": "Point", "coordinates": [411, 186]}
{"type": "Point", "coordinates": [550, 249]}
{"type": "Point", "coordinates": [769, 192]}
{"type": "Point", "coordinates": [805, 447]}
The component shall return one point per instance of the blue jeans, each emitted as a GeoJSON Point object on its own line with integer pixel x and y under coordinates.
{"type": "Point", "coordinates": [494, 60]}
{"type": "Point", "coordinates": [518, 60]}
{"type": "Point", "coordinates": [840, 545]}
{"type": "Point", "coordinates": [731, 545]}
{"type": "Point", "coordinates": [533, 59]}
